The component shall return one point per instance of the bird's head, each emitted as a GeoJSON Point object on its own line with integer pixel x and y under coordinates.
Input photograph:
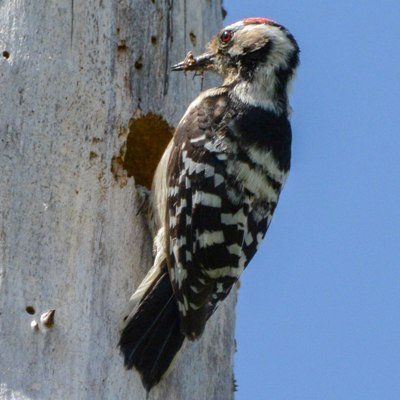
{"type": "Point", "coordinates": [242, 47]}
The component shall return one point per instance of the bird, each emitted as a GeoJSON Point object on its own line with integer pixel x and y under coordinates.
{"type": "Point", "coordinates": [214, 191]}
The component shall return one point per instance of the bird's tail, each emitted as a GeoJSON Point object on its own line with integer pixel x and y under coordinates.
{"type": "Point", "coordinates": [151, 335]}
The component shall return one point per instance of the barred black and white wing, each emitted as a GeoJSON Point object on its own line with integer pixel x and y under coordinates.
{"type": "Point", "coordinates": [220, 202]}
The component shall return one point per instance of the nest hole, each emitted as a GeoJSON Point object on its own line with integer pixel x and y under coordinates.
{"type": "Point", "coordinates": [148, 137]}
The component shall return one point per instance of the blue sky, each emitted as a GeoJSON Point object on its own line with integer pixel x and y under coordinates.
{"type": "Point", "coordinates": [319, 306]}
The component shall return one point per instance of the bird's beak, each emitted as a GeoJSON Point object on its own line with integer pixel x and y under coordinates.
{"type": "Point", "coordinates": [201, 63]}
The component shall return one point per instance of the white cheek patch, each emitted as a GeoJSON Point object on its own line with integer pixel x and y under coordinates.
{"type": "Point", "coordinates": [261, 91]}
{"type": "Point", "coordinates": [282, 46]}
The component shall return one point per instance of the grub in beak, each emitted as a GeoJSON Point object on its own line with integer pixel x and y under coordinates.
{"type": "Point", "coordinates": [190, 63]}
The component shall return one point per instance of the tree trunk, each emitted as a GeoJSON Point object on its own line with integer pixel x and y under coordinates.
{"type": "Point", "coordinates": [76, 76]}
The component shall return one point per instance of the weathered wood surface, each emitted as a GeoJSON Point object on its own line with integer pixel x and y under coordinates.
{"type": "Point", "coordinates": [72, 74]}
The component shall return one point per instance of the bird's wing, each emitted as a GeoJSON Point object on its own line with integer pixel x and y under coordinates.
{"type": "Point", "coordinates": [208, 227]}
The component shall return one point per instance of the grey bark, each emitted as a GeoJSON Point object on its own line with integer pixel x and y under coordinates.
{"type": "Point", "coordinates": [70, 236]}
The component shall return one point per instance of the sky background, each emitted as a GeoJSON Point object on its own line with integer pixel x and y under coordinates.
{"type": "Point", "coordinates": [319, 306]}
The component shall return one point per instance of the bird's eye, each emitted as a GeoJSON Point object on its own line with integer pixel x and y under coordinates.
{"type": "Point", "coordinates": [226, 37]}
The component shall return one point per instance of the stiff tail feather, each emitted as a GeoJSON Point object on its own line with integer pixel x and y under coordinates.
{"type": "Point", "coordinates": [151, 336]}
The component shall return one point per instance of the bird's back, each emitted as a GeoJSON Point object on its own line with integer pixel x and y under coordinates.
{"type": "Point", "coordinates": [225, 172]}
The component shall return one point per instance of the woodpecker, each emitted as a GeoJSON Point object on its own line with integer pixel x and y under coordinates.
{"type": "Point", "coordinates": [214, 191]}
